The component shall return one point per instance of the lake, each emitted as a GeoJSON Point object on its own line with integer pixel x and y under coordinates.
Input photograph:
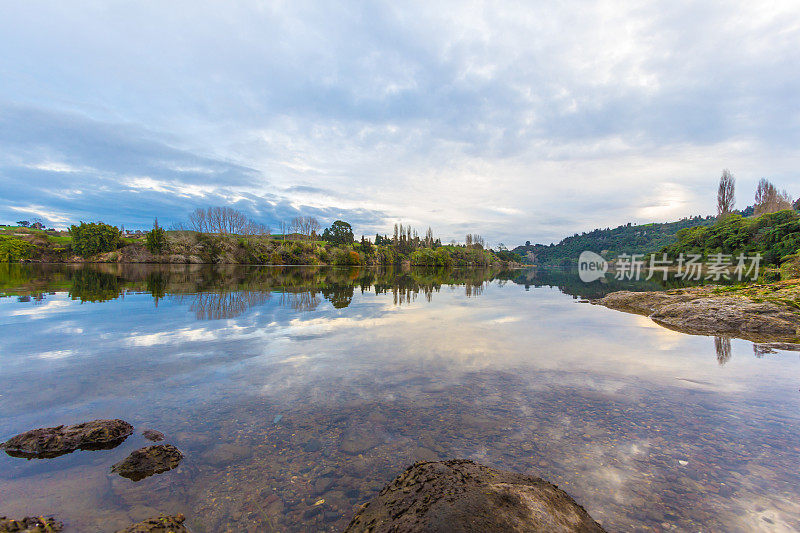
{"type": "Point", "coordinates": [296, 393]}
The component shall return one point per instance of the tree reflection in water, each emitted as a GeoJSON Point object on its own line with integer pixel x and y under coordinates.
{"type": "Point", "coordinates": [218, 292]}
{"type": "Point", "coordinates": [300, 300]}
{"type": "Point", "coordinates": [221, 305]}
{"type": "Point", "coordinates": [722, 345]}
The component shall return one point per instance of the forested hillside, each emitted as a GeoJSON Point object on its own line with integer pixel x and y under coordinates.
{"type": "Point", "coordinates": [627, 239]}
{"type": "Point", "coordinates": [775, 236]}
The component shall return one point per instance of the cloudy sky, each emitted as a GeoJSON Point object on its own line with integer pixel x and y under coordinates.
{"type": "Point", "coordinates": [514, 120]}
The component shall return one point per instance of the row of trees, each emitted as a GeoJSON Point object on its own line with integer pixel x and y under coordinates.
{"type": "Point", "coordinates": [225, 220]}
{"type": "Point", "coordinates": [473, 240]}
{"type": "Point", "coordinates": [34, 223]}
{"type": "Point", "coordinates": [768, 198]}
{"type": "Point", "coordinates": [305, 227]}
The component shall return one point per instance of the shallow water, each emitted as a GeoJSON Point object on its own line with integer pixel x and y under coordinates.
{"type": "Point", "coordinates": [284, 387]}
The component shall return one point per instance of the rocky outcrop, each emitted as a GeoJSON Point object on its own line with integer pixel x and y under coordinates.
{"type": "Point", "coordinates": [642, 303]}
{"type": "Point", "coordinates": [30, 524]}
{"type": "Point", "coordinates": [147, 461]}
{"type": "Point", "coordinates": [463, 496]}
{"type": "Point", "coordinates": [55, 441]}
{"type": "Point", "coordinates": [159, 524]}
{"type": "Point", "coordinates": [702, 312]}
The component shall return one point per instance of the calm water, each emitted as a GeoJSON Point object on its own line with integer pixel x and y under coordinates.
{"type": "Point", "coordinates": [284, 387]}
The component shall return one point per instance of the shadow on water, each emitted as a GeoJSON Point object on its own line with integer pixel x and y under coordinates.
{"type": "Point", "coordinates": [568, 282]}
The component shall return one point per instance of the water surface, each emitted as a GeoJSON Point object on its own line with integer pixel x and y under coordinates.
{"type": "Point", "coordinates": [287, 386]}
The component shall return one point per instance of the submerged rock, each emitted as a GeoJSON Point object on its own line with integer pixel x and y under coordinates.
{"type": "Point", "coordinates": [153, 435]}
{"type": "Point", "coordinates": [697, 311]}
{"type": "Point", "coordinates": [159, 524]}
{"type": "Point", "coordinates": [30, 524]}
{"type": "Point", "coordinates": [356, 442]}
{"type": "Point", "coordinates": [147, 461]}
{"type": "Point", "coordinates": [464, 496]}
{"type": "Point", "coordinates": [223, 454]}
{"type": "Point", "coordinates": [60, 440]}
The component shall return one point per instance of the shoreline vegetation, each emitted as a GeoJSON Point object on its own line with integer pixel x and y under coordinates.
{"type": "Point", "coordinates": [248, 244]}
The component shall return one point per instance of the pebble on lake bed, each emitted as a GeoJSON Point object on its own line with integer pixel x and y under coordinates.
{"type": "Point", "coordinates": [158, 524]}
{"type": "Point", "coordinates": [30, 524]}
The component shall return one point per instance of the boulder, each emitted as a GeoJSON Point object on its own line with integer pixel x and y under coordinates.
{"type": "Point", "coordinates": [55, 441]}
{"type": "Point", "coordinates": [153, 435]}
{"type": "Point", "coordinates": [226, 453]}
{"type": "Point", "coordinates": [158, 524]}
{"type": "Point", "coordinates": [147, 461]}
{"type": "Point", "coordinates": [463, 496]}
{"type": "Point", "coordinates": [30, 524]}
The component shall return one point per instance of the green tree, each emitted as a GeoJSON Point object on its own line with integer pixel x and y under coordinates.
{"type": "Point", "coordinates": [156, 239]}
{"type": "Point", "coordinates": [340, 232]}
{"type": "Point", "coordinates": [92, 238]}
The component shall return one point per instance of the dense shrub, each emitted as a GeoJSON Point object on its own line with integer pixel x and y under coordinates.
{"type": "Point", "coordinates": [346, 257]}
{"type": "Point", "coordinates": [430, 257]}
{"type": "Point", "coordinates": [13, 249]}
{"type": "Point", "coordinates": [94, 238]}
{"type": "Point", "coordinates": [385, 256]}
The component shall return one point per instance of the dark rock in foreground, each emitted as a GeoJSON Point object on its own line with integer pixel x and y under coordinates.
{"type": "Point", "coordinates": [52, 442]}
{"type": "Point", "coordinates": [697, 311]}
{"type": "Point", "coordinates": [147, 461]}
{"type": "Point", "coordinates": [30, 524]}
{"type": "Point", "coordinates": [463, 496]}
{"type": "Point", "coordinates": [153, 435]}
{"type": "Point", "coordinates": [159, 524]}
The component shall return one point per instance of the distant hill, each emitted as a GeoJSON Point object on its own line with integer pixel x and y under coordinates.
{"type": "Point", "coordinates": [775, 236]}
{"type": "Point", "coordinates": [627, 239]}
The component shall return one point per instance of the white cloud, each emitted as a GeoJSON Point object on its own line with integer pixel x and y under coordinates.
{"type": "Point", "coordinates": [42, 310]}
{"type": "Point", "coordinates": [527, 121]}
